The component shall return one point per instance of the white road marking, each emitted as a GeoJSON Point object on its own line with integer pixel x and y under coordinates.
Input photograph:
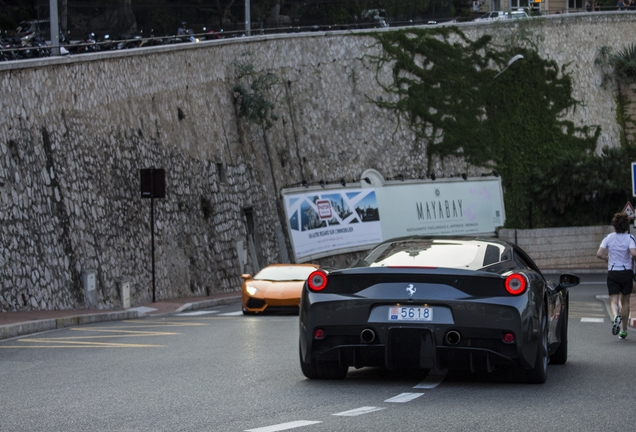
{"type": "Point", "coordinates": [196, 313]}
{"type": "Point", "coordinates": [184, 307]}
{"type": "Point", "coordinates": [433, 379]}
{"type": "Point", "coordinates": [593, 320]}
{"type": "Point", "coordinates": [404, 397]}
{"type": "Point", "coordinates": [284, 426]}
{"type": "Point", "coordinates": [359, 411]}
{"type": "Point", "coordinates": [142, 309]}
{"type": "Point", "coordinates": [232, 313]}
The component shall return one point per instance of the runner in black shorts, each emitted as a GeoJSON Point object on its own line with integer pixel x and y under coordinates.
{"type": "Point", "coordinates": [619, 250]}
{"type": "Point", "coordinates": [620, 282]}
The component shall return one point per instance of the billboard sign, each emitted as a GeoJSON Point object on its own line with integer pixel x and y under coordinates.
{"type": "Point", "coordinates": [323, 221]}
{"type": "Point", "coordinates": [333, 220]}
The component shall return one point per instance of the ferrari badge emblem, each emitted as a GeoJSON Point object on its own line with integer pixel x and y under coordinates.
{"type": "Point", "coordinates": [411, 290]}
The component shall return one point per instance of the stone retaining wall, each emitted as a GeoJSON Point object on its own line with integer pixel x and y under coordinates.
{"type": "Point", "coordinates": [561, 248]}
{"type": "Point", "coordinates": [74, 133]}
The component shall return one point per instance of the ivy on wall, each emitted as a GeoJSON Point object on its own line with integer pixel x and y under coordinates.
{"type": "Point", "coordinates": [253, 101]}
{"type": "Point", "coordinates": [458, 97]}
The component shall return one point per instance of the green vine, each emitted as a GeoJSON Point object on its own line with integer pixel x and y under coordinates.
{"type": "Point", "coordinates": [458, 97]}
{"type": "Point", "coordinates": [253, 102]}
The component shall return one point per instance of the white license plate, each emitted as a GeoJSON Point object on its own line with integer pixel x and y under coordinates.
{"type": "Point", "coordinates": [410, 313]}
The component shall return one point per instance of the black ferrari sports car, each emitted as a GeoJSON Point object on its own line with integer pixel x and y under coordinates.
{"type": "Point", "coordinates": [435, 303]}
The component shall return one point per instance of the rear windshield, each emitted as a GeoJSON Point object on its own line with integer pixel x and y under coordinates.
{"type": "Point", "coordinates": [461, 254]}
{"type": "Point", "coordinates": [285, 273]}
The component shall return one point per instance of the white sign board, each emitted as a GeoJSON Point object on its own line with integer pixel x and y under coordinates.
{"type": "Point", "coordinates": [328, 221]}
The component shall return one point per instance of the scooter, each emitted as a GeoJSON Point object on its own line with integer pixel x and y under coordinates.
{"type": "Point", "coordinates": [210, 35]}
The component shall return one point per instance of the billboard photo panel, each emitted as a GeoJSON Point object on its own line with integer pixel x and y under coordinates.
{"type": "Point", "coordinates": [328, 221]}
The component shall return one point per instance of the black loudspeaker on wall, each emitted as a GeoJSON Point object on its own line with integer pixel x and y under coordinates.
{"type": "Point", "coordinates": [153, 183]}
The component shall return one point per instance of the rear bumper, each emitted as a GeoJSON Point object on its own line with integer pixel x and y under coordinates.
{"type": "Point", "coordinates": [481, 326]}
{"type": "Point", "coordinates": [418, 347]}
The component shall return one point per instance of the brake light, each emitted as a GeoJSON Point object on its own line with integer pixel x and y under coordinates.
{"type": "Point", "coordinates": [317, 281]}
{"type": "Point", "coordinates": [516, 284]}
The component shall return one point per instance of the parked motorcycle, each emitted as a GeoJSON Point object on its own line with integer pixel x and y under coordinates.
{"type": "Point", "coordinates": [106, 43]}
{"type": "Point", "coordinates": [152, 41]}
{"type": "Point", "coordinates": [7, 50]}
{"type": "Point", "coordinates": [40, 48]}
{"type": "Point", "coordinates": [185, 34]}
{"type": "Point", "coordinates": [210, 35]}
{"type": "Point", "coordinates": [88, 45]}
{"type": "Point", "coordinates": [127, 41]}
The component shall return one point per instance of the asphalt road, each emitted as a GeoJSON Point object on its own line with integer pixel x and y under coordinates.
{"type": "Point", "coordinates": [217, 370]}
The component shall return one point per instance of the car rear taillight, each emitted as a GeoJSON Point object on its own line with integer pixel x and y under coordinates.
{"type": "Point", "coordinates": [516, 284]}
{"type": "Point", "coordinates": [317, 281]}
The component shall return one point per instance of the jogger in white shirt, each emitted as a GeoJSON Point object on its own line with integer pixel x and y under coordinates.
{"type": "Point", "coordinates": [619, 250]}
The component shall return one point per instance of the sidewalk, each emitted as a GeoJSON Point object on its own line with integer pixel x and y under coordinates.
{"type": "Point", "coordinates": [13, 324]}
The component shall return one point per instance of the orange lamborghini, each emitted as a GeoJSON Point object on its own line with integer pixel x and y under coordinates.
{"type": "Point", "coordinates": [276, 288]}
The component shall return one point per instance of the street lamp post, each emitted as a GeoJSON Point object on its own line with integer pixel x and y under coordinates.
{"type": "Point", "coordinates": [55, 28]}
{"type": "Point", "coordinates": [248, 19]}
{"type": "Point", "coordinates": [510, 62]}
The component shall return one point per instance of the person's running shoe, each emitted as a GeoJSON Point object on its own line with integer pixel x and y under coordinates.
{"type": "Point", "coordinates": [616, 327]}
{"type": "Point", "coordinates": [622, 335]}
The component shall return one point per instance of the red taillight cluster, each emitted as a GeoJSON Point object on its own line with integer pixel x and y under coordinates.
{"type": "Point", "coordinates": [516, 284]}
{"type": "Point", "coordinates": [317, 281]}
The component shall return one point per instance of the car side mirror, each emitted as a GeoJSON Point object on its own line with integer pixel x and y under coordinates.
{"type": "Point", "coordinates": [246, 276]}
{"type": "Point", "coordinates": [568, 281]}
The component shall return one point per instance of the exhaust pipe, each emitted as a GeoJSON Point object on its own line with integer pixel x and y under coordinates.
{"type": "Point", "coordinates": [367, 336]}
{"type": "Point", "coordinates": [453, 337]}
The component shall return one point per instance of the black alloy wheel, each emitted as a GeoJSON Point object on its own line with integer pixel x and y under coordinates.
{"type": "Point", "coordinates": [560, 356]}
{"type": "Point", "coordinates": [539, 373]}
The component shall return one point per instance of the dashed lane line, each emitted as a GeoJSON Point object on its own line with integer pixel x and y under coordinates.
{"type": "Point", "coordinates": [284, 426]}
{"type": "Point", "coordinates": [592, 320]}
{"type": "Point", "coordinates": [404, 397]}
{"type": "Point", "coordinates": [433, 379]}
{"type": "Point", "coordinates": [359, 411]}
